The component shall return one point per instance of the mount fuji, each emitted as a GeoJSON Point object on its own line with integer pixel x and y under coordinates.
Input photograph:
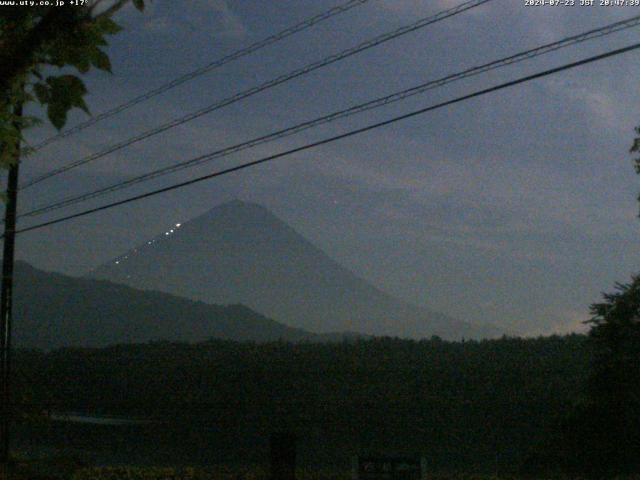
{"type": "Point", "coordinates": [241, 253]}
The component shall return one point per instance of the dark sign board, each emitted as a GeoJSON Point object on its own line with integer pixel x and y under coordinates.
{"type": "Point", "coordinates": [370, 467]}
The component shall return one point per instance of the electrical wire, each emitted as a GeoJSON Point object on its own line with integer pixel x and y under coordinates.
{"type": "Point", "coordinates": [305, 24]}
{"type": "Point", "coordinates": [335, 138]}
{"type": "Point", "coordinates": [262, 87]}
{"type": "Point", "coordinates": [376, 103]}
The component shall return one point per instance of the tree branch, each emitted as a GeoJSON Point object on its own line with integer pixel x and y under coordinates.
{"type": "Point", "coordinates": [20, 56]}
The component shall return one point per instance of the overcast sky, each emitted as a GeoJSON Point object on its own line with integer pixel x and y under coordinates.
{"type": "Point", "coordinates": [517, 208]}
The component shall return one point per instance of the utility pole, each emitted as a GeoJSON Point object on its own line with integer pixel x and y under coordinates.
{"type": "Point", "coordinates": [6, 297]}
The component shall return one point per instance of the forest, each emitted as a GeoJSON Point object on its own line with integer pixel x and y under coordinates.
{"type": "Point", "coordinates": [523, 407]}
{"type": "Point", "coordinates": [558, 405]}
{"type": "Point", "coordinates": [493, 406]}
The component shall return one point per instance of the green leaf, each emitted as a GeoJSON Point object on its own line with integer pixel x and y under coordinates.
{"type": "Point", "coordinates": [42, 92]}
{"type": "Point", "coordinates": [66, 92]}
{"type": "Point", "coordinates": [57, 114]}
{"type": "Point", "coordinates": [82, 63]}
{"type": "Point", "coordinates": [139, 4]}
{"type": "Point", "coordinates": [100, 60]}
{"type": "Point", "coordinates": [106, 26]}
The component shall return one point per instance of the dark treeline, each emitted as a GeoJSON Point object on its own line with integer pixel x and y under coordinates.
{"type": "Point", "coordinates": [484, 406]}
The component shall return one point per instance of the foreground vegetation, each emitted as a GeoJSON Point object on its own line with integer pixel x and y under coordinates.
{"type": "Point", "coordinates": [189, 473]}
{"type": "Point", "coordinates": [471, 406]}
{"type": "Point", "coordinates": [526, 407]}
{"type": "Point", "coordinates": [247, 473]}
{"type": "Point", "coordinates": [221, 473]}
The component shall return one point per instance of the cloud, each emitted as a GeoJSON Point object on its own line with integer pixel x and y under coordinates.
{"type": "Point", "coordinates": [231, 23]}
{"type": "Point", "coordinates": [598, 102]}
{"type": "Point", "coordinates": [215, 17]}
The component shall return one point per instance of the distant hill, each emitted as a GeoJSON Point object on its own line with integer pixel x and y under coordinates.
{"type": "Point", "coordinates": [240, 252]}
{"type": "Point", "coordinates": [53, 310]}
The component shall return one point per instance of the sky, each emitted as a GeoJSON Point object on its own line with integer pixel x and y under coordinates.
{"type": "Point", "coordinates": [517, 208]}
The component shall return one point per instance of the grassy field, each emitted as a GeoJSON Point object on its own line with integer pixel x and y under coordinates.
{"type": "Point", "coordinates": [73, 472]}
{"type": "Point", "coordinates": [66, 470]}
{"type": "Point", "coordinates": [69, 469]}
{"type": "Point", "coordinates": [132, 473]}
{"type": "Point", "coordinates": [69, 472]}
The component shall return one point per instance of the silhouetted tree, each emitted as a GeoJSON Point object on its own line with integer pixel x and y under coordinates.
{"type": "Point", "coordinates": [614, 384]}
{"type": "Point", "coordinates": [601, 436]}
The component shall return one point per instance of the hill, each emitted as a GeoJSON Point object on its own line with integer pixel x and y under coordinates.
{"type": "Point", "coordinates": [240, 252]}
{"type": "Point", "coordinates": [53, 310]}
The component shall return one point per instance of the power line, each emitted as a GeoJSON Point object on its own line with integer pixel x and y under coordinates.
{"type": "Point", "coordinates": [305, 24]}
{"type": "Point", "coordinates": [379, 102]}
{"type": "Point", "coordinates": [468, 5]}
{"type": "Point", "coordinates": [332, 139]}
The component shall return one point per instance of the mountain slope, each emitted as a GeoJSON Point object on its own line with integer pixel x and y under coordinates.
{"type": "Point", "coordinates": [53, 310]}
{"type": "Point", "coordinates": [241, 253]}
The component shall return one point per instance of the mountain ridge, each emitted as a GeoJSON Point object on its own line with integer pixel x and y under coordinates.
{"type": "Point", "coordinates": [240, 252]}
{"type": "Point", "coordinates": [52, 310]}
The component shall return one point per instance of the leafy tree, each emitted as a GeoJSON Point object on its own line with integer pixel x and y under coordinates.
{"type": "Point", "coordinates": [635, 148]}
{"type": "Point", "coordinates": [614, 384]}
{"type": "Point", "coordinates": [36, 40]}
{"type": "Point", "coordinates": [39, 46]}
{"type": "Point", "coordinates": [600, 437]}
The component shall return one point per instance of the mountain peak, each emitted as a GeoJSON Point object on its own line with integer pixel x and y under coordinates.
{"type": "Point", "coordinates": [239, 204]}
{"type": "Point", "coordinates": [240, 252]}
{"type": "Point", "coordinates": [239, 209]}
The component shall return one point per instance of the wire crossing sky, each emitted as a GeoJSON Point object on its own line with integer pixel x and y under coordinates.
{"type": "Point", "coordinates": [351, 133]}
{"type": "Point", "coordinates": [516, 209]}
{"type": "Point", "coordinates": [366, 45]}
{"type": "Point", "coordinates": [376, 103]}
{"type": "Point", "coordinates": [254, 47]}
